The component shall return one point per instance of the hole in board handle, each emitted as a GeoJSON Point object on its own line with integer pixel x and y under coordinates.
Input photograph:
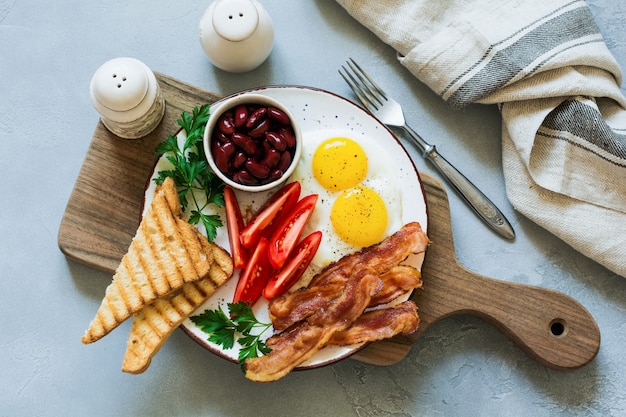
{"type": "Point", "coordinates": [558, 328]}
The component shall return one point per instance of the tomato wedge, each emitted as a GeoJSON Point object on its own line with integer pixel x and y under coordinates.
{"type": "Point", "coordinates": [284, 279]}
{"type": "Point", "coordinates": [254, 276]}
{"type": "Point", "coordinates": [259, 225]}
{"type": "Point", "coordinates": [234, 225]}
{"type": "Point", "coordinates": [288, 231]}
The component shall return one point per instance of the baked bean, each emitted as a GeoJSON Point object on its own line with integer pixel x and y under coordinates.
{"type": "Point", "coordinates": [276, 140]}
{"type": "Point", "coordinates": [284, 161]}
{"type": "Point", "coordinates": [244, 142]}
{"type": "Point", "coordinates": [226, 124]}
{"type": "Point", "coordinates": [260, 128]}
{"type": "Point", "coordinates": [278, 115]}
{"type": "Point", "coordinates": [256, 117]}
{"type": "Point", "coordinates": [239, 159]}
{"type": "Point", "coordinates": [266, 146]}
{"type": "Point", "coordinates": [245, 178]}
{"type": "Point", "coordinates": [221, 137]}
{"type": "Point", "coordinates": [222, 154]}
{"type": "Point", "coordinates": [241, 115]}
{"type": "Point", "coordinates": [271, 158]}
{"type": "Point", "coordinates": [288, 134]}
{"type": "Point", "coordinates": [275, 174]}
{"type": "Point", "coordinates": [258, 169]}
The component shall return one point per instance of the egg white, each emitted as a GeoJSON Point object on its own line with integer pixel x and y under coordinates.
{"type": "Point", "coordinates": [380, 177]}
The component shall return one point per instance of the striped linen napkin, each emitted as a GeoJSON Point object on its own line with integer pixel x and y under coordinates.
{"type": "Point", "coordinates": [546, 66]}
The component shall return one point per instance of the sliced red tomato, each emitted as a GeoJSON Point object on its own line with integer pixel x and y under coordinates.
{"type": "Point", "coordinates": [234, 225]}
{"type": "Point", "coordinates": [288, 231]}
{"type": "Point", "coordinates": [302, 255]}
{"type": "Point", "coordinates": [264, 219]}
{"type": "Point", "coordinates": [254, 276]}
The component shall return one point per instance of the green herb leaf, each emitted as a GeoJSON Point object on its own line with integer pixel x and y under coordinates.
{"type": "Point", "coordinates": [225, 330]}
{"type": "Point", "coordinates": [191, 171]}
{"type": "Point", "coordinates": [219, 327]}
{"type": "Point", "coordinates": [211, 223]}
{"type": "Point", "coordinates": [168, 145]}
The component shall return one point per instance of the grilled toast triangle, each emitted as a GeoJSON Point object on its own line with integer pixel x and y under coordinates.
{"type": "Point", "coordinates": [152, 325]}
{"type": "Point", "coordinates": [165, 253]}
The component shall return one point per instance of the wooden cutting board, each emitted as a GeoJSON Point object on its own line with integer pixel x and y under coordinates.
{"type": "Point", "coordinates": [103, 212]}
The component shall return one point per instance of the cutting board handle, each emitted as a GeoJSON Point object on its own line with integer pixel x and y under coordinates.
{"type": "Point", "coordinates": [548, 325]}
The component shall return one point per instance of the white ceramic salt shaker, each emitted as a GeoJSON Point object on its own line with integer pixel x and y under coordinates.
{"type": "Point", "coordinates": [127, 95]}
{"type": "Point", "coordinates": [236, 35]}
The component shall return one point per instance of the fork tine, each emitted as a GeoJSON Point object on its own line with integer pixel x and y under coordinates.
{"type": "Point", "coordinates": [365, 90]}
{"type": "Point", "coordinates": [358, 90]}
{"type": "Point", "coordinates": [376, 90]}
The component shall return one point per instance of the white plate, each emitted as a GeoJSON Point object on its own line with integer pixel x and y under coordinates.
{"type": "Point", "coordinates": [315, 110]}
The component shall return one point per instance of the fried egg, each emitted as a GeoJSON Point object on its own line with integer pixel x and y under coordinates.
{"type": "Point", "coordinates": [360, 202]}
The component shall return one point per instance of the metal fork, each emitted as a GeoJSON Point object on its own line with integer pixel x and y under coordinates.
{"type": "Point", "coordinates": [389, 112]}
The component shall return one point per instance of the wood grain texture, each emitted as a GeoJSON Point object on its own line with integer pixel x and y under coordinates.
{"type": "Point", "coordinates": [103, 211]}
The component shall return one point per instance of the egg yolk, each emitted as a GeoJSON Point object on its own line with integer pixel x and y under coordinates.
{"type": "Point", "coordinates": [359, 217]}
{"type": "Point", "coordinates": [339, 164]}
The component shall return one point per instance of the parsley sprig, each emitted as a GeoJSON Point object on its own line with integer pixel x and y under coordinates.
{"type": "Point", "coordinates": [237, 327]}
{"type": "Point", "coordinates": [191, 172]}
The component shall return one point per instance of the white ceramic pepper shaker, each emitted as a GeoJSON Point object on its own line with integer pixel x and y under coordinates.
{"type": "Point", "coordinates": [127, 95]}
{"type": "Point", "coordinates": [236, 35]}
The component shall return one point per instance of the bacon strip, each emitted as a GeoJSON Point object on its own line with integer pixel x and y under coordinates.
{"type": "Point", "coordinates": [380, 257]}
{"type": "Point", "coordinates": [294, 346]}
{"type": "Point", "coordinates": [379, 324]}
{"type": "Point", "coordinates": [384, 258]}
{"type": "Point", "coordinates": [398, 281]}
{"type": "Point", "coordinates": [291, 308]}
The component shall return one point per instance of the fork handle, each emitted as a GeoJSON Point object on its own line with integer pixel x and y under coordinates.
{"type": "Point", "coordinates": [481, 205]}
